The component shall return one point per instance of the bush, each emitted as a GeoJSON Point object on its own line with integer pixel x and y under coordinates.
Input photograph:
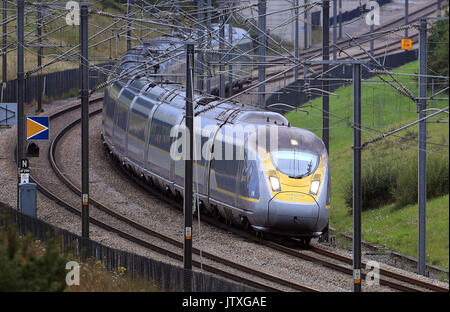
{"type": "Point", "coordinates": [406, 190]}
{"type": "Point", "coordinates": [26, 267]}
{"type": "Point", "coordinates": [438, 47]}
{"type": "Point", "coordinates": [378, 180]}
{"type": "Point", "coordinates": [386, 181]}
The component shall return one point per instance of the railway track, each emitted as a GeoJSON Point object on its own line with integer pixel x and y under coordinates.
{"type": "Point", "coordinates": [347, 44]}
{"type": "Point", "coordinates": [174, 255]}
{"type": "Point", "coordinates": [314, 254]}
{"type": "Point", "coordinates": [318, 256]}
{"type": "Point", "coordinates": [390, 279]}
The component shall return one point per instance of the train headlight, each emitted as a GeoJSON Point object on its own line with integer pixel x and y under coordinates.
{"type": "Point", "coordinates": [275, 183]}
{"type": "Point", "coordinates": [314, 187]}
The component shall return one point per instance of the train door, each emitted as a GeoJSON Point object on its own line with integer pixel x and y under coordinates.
{"type": "Point", "coordinates": [111, 105]}
{"type": "Point", "coordinates": [137, 128]}
{"type": "Point", "coordinates": [159, 160]}
{"type": "Point", "coordinates": [223, 173]}
{"type": "Point", "coordinates": [121, 119]}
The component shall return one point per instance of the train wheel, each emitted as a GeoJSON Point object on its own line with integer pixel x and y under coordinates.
{"type": "Point", "coordinates": [259, 235]}
{"type": "Point", "coordinates": [325, 235]}
{"type": "Point", "coordinates": [304, 242]}
{"type": "Point", "coordinates": [245, 223]}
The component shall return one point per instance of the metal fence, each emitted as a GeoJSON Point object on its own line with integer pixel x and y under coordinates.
{"type": "Point", "coordinates": [168, 277]}
{"type": "Point", "coordinates": [55, 84]}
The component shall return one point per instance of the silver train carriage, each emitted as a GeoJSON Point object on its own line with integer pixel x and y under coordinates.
{"type": "Point", "coordinates": [282, 189]}
{"type": "Point", "coordinates": [242, 44]}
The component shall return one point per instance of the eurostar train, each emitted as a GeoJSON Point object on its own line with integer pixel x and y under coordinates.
{"type": "Point", "coordinates": [242, 44]}
{"type": "Point", "coordinates": [278, 186]}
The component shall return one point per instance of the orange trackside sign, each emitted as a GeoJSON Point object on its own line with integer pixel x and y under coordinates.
{"type": "Point", "coordinates": [406, 44]}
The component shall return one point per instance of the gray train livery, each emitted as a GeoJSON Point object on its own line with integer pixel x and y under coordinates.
{"type": "Point", "coordinates": [243, 174]}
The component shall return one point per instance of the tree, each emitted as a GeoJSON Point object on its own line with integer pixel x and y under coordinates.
{"type": "Point", "coordinates": [438, 47]}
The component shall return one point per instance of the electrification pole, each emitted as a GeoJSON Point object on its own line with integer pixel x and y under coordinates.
{"type": "Point", "coordinates": [4, 59]}
{"type": "Point", "coordinates": [84, 69]}
{"type": "Point", "coordinates": [305, 30]}
{"type": "Point", "coordinates": [357, 187]}
{"type": "Point", "coordinates": [422, 176]}
{"type": "Point", "coordinates": [325, 66]}
{"type": "Point", "coordinates": [20, 91]}
{"type": "Point", "coordinates": [201, 20]}
{"type": "Point", "coordinates": [188, 169]}
{"type": "Point", "coordinates": [208, 25]}
{"type": "Point", "coordinates": [39, 57]}
{"type": "Point", "coordinates": [296, 49]}
{"type": "Point", "coordinates": [262, 52]}
{"type": "Point", "coordinates": [334, 28]}
{"type": "Point", "coordinates": [221, 53]}
{"type": "Point", "coordinates": [230, 56]}
{"type": "Point", "coordinates": [371, 40]}
{"type": "Point", "coordinates": [406, 17]}
{"type": "Point", "coordinates": [128, 25]}
{"type": "Point", "coordinates": [325, 85]}
{"type": "Point", "coordinates": [340, 19]}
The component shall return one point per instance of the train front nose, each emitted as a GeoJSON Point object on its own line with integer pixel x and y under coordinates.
{"type": "Point", "coordinates": [293, 213]}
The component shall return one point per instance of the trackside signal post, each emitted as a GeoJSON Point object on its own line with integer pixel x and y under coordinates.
{"type": "Point", "coordinates": [262, 43]}
{"type": "Point", "coordinates": [39, 58]}
{"type": "Point", "coordinates": [422, 138]}
{"type": "Point", "coordinates": [20, 90]}
{"type": "Point", "coordinates": [84, 69]}
{"type": "Point", "coordinates": [357, 186]}
{"type": "Point", "coordinates": [422, 157]}
{"type": "Point", "coordinates": [188, 168]}
{"type": "Point", "coordinates": [4, 43]}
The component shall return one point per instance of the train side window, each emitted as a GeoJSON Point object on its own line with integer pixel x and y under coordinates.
{"type": "Point", "coordinates": [122, 109]}
{"type": "Point", "coordinates": [249, 183]}
{"type": "Point", "coordinates": [113, 94]}
{"type": "Point", "coordinates": [139, 117]}
{"type": "Point", "coordinates": [122, 116]}
{"type": "Point", "coordinates": [225, 170]}
{"type": "Point", "coordinates": [160, 135]}
{"type": "Point", "coordinates": [138, 122]}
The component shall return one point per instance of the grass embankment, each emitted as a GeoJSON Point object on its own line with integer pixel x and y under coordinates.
{"type": "Point", "coordinates": [383, 109]}
{"type": "Point", "coordinates": [31, 265]}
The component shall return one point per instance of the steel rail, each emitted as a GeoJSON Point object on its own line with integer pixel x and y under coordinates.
{"type": "Point", "coordinates": [175, 203]}
{"type": "Point", "coordinates": [388, 273]}
{"type": "Point", "coordinates": [293, 252]}
{"type": "Point", "coordinates": [72, 187]}
{"type": "Point", "coordinates": [379, 51]}
{"type": "Point", "coordinates": [429, 9]}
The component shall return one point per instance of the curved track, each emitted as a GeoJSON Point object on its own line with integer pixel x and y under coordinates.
{"type": "Point", "coordinates": [314, 254]}
{"type": "Point", "coordinates": [388, 278]}
{"type": "Point", "coordinates": [346, 44]}
{"type": "Point", "coordinates": [177, 256]}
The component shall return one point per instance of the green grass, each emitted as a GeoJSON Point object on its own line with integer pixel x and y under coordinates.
{"type": "Point", "coordinates": [395, 110]}
{"type": "Point", "coordinates": [69, 37]}
{"type": "Point", "coordinates": [397, 229]}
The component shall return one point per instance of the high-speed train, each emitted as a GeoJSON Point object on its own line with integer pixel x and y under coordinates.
{"type": "Point", "coordinates": [236, 52]}
{"type": "Point", "coordinates": [278, 186]}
